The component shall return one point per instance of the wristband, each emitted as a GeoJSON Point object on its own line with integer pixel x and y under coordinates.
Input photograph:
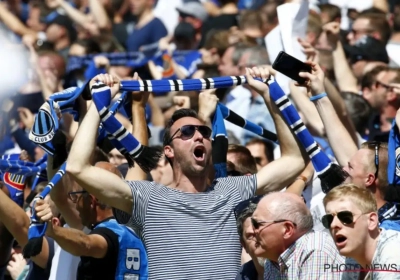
{"type": "Point", "coordinates": [303, 178]}
{"type": "Point", "coordinates": [319, 96]}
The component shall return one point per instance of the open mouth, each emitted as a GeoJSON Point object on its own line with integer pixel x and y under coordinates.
{"type": "Point", "coordinates": [340, 239]}
{"type": "Point", "coordinates": [199, 153]}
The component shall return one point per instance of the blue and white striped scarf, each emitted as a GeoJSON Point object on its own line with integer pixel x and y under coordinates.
{"type": "Point", "coordinates": [331, 174]}
{"type": "Point", "coordinates": [45, 131]}
{"type": "Point", "coordinates": [37, 229]}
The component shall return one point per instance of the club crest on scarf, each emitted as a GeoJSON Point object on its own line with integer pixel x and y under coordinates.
{"type": "Point", "coordinates": [14, 181]}
{"type": "Point", "coordinates": [45, 131]}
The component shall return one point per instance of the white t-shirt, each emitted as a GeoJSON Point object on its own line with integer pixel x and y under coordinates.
{"type": "Point", "coordinates": [313, 195]}
{"type": "Point", "coordinates": [64, 265]}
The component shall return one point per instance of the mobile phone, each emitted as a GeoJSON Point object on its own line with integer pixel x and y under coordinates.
{"type": "Point", "coordinates": [291, 67]}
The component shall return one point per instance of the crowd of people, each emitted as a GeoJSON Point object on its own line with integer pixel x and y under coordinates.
{"type": "Point", "coordinates": [109, 173]}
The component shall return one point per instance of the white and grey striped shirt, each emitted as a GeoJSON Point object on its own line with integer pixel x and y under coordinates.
{"type": "Point", "coordinates": [189, 235]}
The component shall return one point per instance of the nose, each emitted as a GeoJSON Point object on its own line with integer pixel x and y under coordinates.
{"type": "Point", "coordinates": [335, 222]}
{"type": "Point", "coordinates": [198, 136]}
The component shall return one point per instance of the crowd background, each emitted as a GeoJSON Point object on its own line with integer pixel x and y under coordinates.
{"type": "Point", "coordinates": [48, 46]}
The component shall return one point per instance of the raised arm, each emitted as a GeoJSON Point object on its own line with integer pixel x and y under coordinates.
{"type": "Point", "coordinates": [139, 129]}
{"type": "Point", "coordinates": [104, 185]}
{"type": "Point", "coordinates": [339, 138]}
{"type": "Point", "coordinates": [283, 171]}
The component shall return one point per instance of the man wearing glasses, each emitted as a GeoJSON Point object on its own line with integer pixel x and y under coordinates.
{"type": "Point", "coordinates": [353, 222]}
{"type": "Point", "coordinates": [188, 227]}
{"type": "Point", "coordinates": [110, 250]}
{"type": "Point", "coordinates": [283, 226]}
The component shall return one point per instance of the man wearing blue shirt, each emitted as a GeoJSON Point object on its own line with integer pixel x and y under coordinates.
{"type": "Point", "coordinates": [148, 29]}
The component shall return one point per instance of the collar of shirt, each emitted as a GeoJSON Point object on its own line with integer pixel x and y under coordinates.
{"type": "Point", "coordinates": [286, 257]}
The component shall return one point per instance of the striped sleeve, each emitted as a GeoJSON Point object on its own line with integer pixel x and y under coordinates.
{"type": "Point", "coordinates": [141, 193]}
{"type": "Point", "coordinates": [246, 186]}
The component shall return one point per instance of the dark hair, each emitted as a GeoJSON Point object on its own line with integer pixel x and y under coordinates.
{"type": "Point", "coordinates": [359, 110]}
{"type": "Point", "coordinates": [91, 46]}
{"type": "Point", "coordinates": [369, 78]}
{"type": "Point", "coordinates": [245, 162]}
{"type": "Point", "coordinates": [268, 147]}
{"type": "Point", "coordinates": [246, 213]}
{"type": "Point", "coordinates": [179, 114]}
{"type": "Point", "coordinates": [333, 11]}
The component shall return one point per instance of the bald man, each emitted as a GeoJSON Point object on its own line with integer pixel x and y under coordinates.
{"type": "Point", "coordinates": [110, 250]}
{"type": "Point", "coordinates": [283, 226]}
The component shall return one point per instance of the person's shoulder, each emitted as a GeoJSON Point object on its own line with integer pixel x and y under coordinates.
{"type": "Point", "coordinates": [389, 236]}
{"type": "Point", "coordinates": [157, 22]}
{"type": "Point", "coordinates": [318, 240]}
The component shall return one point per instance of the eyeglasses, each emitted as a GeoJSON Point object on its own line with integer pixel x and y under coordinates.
{"type": "Point", "coordinates": [74, 196]}
{"type": "Point", "coordinates": [378, 83]}
{"type": "Point", "coordinates": [257, 224]}
{"type": "Point", "coordinates": [345, 217]}
{"type": "Point", "coordinates": [187, 132]}
{"type": "Point", "coordinates": [246, 203]}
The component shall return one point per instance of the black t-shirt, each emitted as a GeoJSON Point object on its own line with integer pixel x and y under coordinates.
{"type": "Point", "coordinates": [247, 272]}
{"type": "Point", "coordinates": [38, 273]}
{"type": "Point", "coordinates": [104, 268]}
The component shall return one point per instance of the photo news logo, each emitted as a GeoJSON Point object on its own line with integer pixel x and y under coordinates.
{"type": "Point", "coordinates": [376, 267]}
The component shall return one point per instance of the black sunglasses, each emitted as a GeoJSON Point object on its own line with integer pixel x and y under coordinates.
{"type": "Point", "coordinates": [257, 224]}
{"type": "Point", "coordinates": [376, 146]}
{"type": "Point", "coordinates": [74, 196]}
{"type": "Point", "coordinates": [345, 217]}
{"type": "Point", "coordinates": [187, 132]}
{"type": "Point", "coordinates": [243, 205]}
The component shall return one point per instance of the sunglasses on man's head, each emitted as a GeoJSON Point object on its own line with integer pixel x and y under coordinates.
{"type": "Point", "coordinates": [243, 205]}
{"type": "Point", "coordinates": [375, 145]}
{"type": "Point", "coordinates": [345, 217]}
{"type": "Point", "coordinates": [187, 132]}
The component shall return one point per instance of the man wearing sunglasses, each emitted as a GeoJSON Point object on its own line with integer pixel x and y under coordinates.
{"type": "Point", "coordinates": [366, 167]}
{"type": "Point", "coordinates": [283, 226]}
{"type": "Point", "coordinates": [253, 269]}
{"type": "Point", "coordinates": [353, 222]}
{"type": "Point", "coordinates": [185, 222]}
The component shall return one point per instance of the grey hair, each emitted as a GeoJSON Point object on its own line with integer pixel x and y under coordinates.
{"type": "Point", "coordinates": [246, 213]}
{"type": "Point", "coordinates": [292, 210]}
{"type": "Point", "coordinates": [239, 51]}
{"type": "Point", "coordinates": [258, 56]}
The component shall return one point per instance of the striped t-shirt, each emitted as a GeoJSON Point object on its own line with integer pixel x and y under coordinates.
{"type": "Point", "coordinates": [189, 235]}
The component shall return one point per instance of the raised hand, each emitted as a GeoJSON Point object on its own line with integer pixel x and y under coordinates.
{"type": "Point", "coordinates": [332, 30]}
{"type": "Point", "coordinates": [112, 81]}
{"type": "Point", "coordinates": [139, 97]}
{"type": "Point", "coordinates": [207, 103]}
{"type": "Point", "coordinates": [181, 102]}
{"type": "Point", "coordinates": [43, 210]}
{"type": "Point", "coordinates": [260, 86]}
{"type": "Point", "coordinates": [310, 52]}
{"type": "Point", "coordinates": [315, 79]}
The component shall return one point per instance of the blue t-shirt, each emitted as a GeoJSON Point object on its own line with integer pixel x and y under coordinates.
{"type": "Point", "coordinates": [149, 34]}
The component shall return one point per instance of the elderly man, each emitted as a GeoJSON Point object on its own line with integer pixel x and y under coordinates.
{"type": "Point", "coordinates": [283, 227]}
